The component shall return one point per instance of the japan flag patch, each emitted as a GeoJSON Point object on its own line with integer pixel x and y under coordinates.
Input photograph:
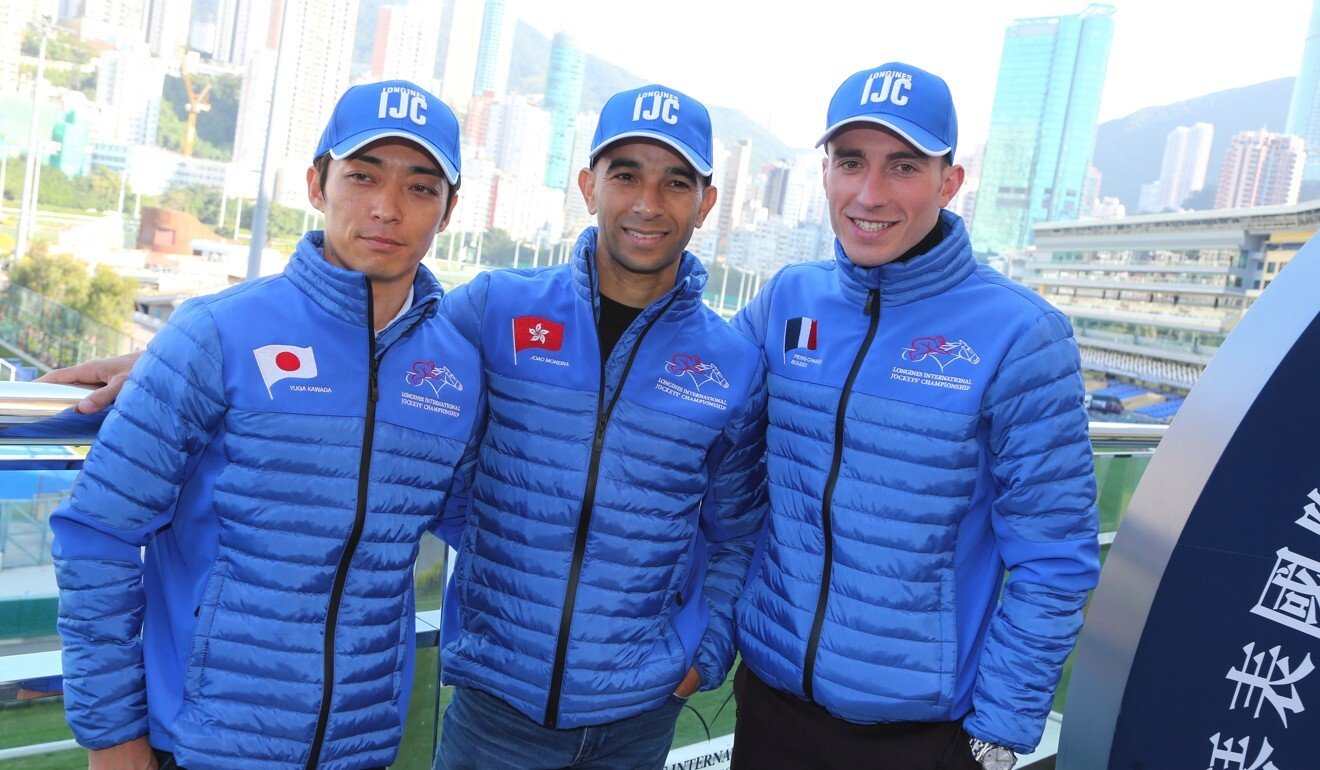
{"type": "Point", "coordinates": [284, 362]}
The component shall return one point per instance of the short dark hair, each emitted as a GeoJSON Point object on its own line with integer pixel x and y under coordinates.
{"type": "Point", "coordinates": [322, 166]}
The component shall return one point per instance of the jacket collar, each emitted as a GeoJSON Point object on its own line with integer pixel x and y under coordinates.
{"type": "Point", "coordinates": [689, 285]}
{"type": "Point", "coordinates": [343, 293]}
{"type": "Point", "coordinates": [922, 276]}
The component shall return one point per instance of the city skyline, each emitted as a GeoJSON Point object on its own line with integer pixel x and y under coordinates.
{"type": "Point", "coordinates": [1148, 66]}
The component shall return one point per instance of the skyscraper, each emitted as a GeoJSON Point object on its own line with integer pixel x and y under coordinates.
{"type": "Point", "coordinates": [563, 93]}
{"type": "Point", "coordinates": [496, 51]}
{"type": "Point", "coordinates": [734, 191]}
{"type": "Point", "coordinates": [1260, 169]}
{"type": "Point", "coordinates": [165, 23]}
{"type": "Point", "coordinates": [1304, 111]}
{"type": "Point", "coordinates": [128, 85]}
{"type": "Point", "coordinates": [1042, 125]}
{"type": "Point", "coordinates": [462, 28]}
{"type": "Point", "coordinates": [313, 73]}
{"type": "Point", "coordinates": [406, 38]}
{"type": "Point", "coordinates": [243, 27]}
{"type": "Point", "coordinates": [1186, 158]}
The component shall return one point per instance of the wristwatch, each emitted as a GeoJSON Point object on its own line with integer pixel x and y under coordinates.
{"type": "Point", "coordinates": [992, 757]}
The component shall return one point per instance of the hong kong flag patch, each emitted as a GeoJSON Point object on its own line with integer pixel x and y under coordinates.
{"type": "Point", "coordinates": [531, 331]}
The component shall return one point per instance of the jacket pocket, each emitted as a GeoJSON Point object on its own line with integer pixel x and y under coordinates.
{"type": "Point", "coordinates": [201, 636]}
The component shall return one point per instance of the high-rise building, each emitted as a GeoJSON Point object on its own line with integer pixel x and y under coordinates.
{"type": "Point", "coordinates": [165, 24]}
{"type": "Point", "coordinates": [14, 18]}
{"type": "Point", "coordinates": [776, 188]}
{"type": "Point", "coordinates": [734, 191]}
{"type": "Point", "coordinates": [1261, 169]}
{"type": "Point", "coordinates": [313, 74]}
{"type": "Point", "coordinates": [1042, 125]}
{"type": "Point", "coordinates": [462, 39]}
{"type": "Point", "coordinates": [563, 94]}
{"type": "Point", "coordinates": [118, 22]}
{"type": "Point", "coordinates": [1304, 110]}
{"type": "Point", "coordinates": [576, 216]}
{"type": "Point", "coordinates": [1090, 191]}
{"type": "Point", "coordinates": [518, 135]}
{"type": "Point", "coordinates": [406, 40]}
{"type": "Point", "coordinates": [1186, 158]}
{"type": "Point", "coordinates": [128, 90]}
{"type": "Point", "coordinates": [242, 29]}
{"type": "Point", "coordinates": [496, 50]}
{"type": "Point", "coordinates": [250, 128]}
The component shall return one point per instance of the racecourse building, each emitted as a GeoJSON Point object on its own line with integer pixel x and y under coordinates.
{"type": "Point", "coordinates": [1152, 297]}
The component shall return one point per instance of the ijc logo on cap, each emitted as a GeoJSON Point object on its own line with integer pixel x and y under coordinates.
{"type": "Point", "coordinates": [393, 108]}
{"type": "Point", "coordinates": [660, 113]}
{"type": "Point", "coordinates": [905, 99]}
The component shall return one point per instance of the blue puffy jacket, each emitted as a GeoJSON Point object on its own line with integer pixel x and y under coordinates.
{"type": "Point", "coordinates": [926, 433]}
{"type": "Point", "coordinates": [280, 463]}
{"type": "Point", "coordinates": [583, 585]}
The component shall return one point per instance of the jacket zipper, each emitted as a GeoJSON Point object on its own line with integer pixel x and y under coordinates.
{"type": "Point", "coordinates": [359, 523]}
{"type": "Point", "coordinates": [584, 518]}
{"type": "Point", "coordinates": [826, 509]}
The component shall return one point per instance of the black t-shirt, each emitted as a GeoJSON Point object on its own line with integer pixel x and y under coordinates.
{"type": "Point", "coordinates": [614, 321]}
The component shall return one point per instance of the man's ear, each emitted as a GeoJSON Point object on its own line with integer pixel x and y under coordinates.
{"type": "Point", "coordinates": [587, 184]}
{"type": "Point", "coordinates": [314, 194]}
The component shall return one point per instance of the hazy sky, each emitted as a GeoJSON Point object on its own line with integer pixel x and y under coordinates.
{"type": "Point", "coordinates": [780, 67]}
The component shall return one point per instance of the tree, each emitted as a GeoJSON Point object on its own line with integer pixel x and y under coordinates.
{"type": "Point", "coordinates": [103, 296]}
{"type": "Point", "coordinates": [109, 297]}
{"type": "Point", "coordinates": [60, 277]}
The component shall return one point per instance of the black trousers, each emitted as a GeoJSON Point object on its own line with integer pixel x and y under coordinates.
{"type": "Point", "coordinates": [778, 731]}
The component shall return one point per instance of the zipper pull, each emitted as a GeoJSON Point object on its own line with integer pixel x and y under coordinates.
{"type": "Point", "coordinates": [375, 375]}
{"type": "Point", "coordinates": [871, 296]}
{"type": "Point", "coordinates": [600, 435]}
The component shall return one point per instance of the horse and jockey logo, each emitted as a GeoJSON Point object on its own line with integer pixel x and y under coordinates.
{"type": "Point", "coordinates": [941, 350]}
{"type": "Point", "coordinates": [436, 377]}
{"type": "Point", "coordinates": [692, 366]}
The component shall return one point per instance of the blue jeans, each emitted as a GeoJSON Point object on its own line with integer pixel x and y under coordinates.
{"type": "Point", "coordinates": [482, 732]}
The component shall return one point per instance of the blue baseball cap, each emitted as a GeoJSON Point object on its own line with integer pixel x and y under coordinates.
{"type": "Point", "coordinates": [397, 108]}
{"type": "Point", "coordinates": [656, 112]}
{"type": "Point", "coordinates": [905, 99]}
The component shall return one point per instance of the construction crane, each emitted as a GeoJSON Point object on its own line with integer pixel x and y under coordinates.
{"type": "Point", "coordinates": [198, 102]}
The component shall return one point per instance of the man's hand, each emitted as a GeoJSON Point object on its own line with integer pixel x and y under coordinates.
{"type": "Point", "coordinates": [134, 755]}
{"type": "Point", "coordinates": [689, 684]}
{"type": "Point", "coordinates": [108, 375]}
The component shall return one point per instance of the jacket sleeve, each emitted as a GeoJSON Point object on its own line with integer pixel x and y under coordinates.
{"type": "Point", "coordinates": [449, 524]}
{"type": "Point", "coordinates": [127, 491]}
{"type": "Point", "coordinates": [1045, 524]}
{"type": "Point", "coordinates": [465, 306]}
{"type": "Point", "coordinates": [732, 516]}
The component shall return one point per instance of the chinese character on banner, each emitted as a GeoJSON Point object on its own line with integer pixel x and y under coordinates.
{"type": "Point", "coordinates": [1276, 685]}
{"type": "Point", "coordinates": [1233, 755]}
{"type": "Point", "coordinates": [1291, 597]}
{"type": "Point", "coordinates": [1311, 513]}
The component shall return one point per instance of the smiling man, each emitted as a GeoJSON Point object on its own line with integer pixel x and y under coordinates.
{"type": "Point", "coordinates": [926, 433]}
{"type": "Point", "coordinates": [618, 489]}
{"type": "Point", "coordinates": [279, 451]}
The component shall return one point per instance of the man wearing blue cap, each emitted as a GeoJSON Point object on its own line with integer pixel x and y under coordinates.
{"type": "Point", "coordinates": [279, 451]}
{"type": "Point", "coordinates": [618, 488]}
{"type": "Point", "coordinates": [926, 433]}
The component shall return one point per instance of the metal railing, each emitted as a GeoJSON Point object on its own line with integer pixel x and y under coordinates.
{"type": "Point", "coordinates": [39, 434]}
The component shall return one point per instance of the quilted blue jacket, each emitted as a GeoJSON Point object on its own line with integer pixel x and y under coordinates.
{"type": "Point", "coordinates": [615, 505]}
{"type": "Point", "coordinates": [279, 462]}
{"type": "Point", "coordinates": [926, 434]}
